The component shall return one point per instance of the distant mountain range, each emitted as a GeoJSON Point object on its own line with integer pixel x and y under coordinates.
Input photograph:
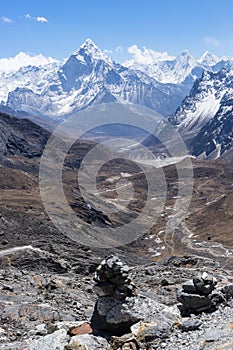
{"type": "Point", "coordinates": [195, 94]}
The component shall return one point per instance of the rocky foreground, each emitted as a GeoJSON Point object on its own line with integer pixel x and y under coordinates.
{"type": "Point", "coordinates": [177, 303]}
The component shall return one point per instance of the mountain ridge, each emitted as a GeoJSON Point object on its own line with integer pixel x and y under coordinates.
{"type": "Point", "coordinates": [206, 114]}
{"type": "Point", "coordinates": [58, 89]}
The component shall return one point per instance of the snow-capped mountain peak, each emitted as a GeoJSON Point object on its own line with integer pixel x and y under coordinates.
{"type": "Point", "coordinates": [91, 50]}
{"type": "Point", "coordinates": [208, 59]}
{"type": "Point", "coordinates": [169, 69]}
{"type": "Point", "coordinates": [186, 57]}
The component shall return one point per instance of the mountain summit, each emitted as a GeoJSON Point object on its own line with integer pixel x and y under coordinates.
{"type": "Point", "coordinates": [87, 77]}
{"type": "Point", "coordinates": [91, 50]}
{"type": "Point", "coordinates": [209, 59]}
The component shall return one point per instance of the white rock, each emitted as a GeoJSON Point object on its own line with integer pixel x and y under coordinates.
{"type": "Point", "coordinates": [54, 341]}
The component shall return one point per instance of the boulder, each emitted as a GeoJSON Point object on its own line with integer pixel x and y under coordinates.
{"type": "Point", "coordinates": [195, 302]}
{"type": "Point", "coordinates": [116, 316]}
{"type": "Point", "coordinates": [55, 341]}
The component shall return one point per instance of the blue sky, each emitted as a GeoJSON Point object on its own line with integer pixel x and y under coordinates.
{"type": "Point", "coordinates": [57, 27]}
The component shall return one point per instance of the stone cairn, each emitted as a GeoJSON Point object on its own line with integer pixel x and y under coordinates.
{"type": "Point", "coordinates": [119, 306]}
{"type": "Point", "coordinates": [199, 295]}
{"type": "Point", "coordinates": [113, 280]}
{"type": "Point", "coordinates": [113, 286]}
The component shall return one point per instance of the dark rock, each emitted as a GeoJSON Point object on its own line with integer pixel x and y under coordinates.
{"type": "Point", "coordinates": [195, 302]}
{"type": "Point", "coordinates": [198, 283]}
{"type": "Point", "coordinates": [149, 271]}
{"type": "Point", "coordinates": [165, 282]}
{"type": "Point", "coordinates": [217, 298]}
{"type": "Point", "coordinates": [7, 287]}
{"type": "Point", "coordinates": [227, 291]}
{"type": "Point", "coordinates": [189, 287]}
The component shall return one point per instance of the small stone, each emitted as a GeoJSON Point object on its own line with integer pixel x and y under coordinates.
{"type": "Point", "coordinates": [84, 328]}
{"type": "Point", "coordinates": [41, 329]}
{"type": "Point", "coordinates": [228, 291]}
{"type": "Point", "coordinates": [7, 287]}
{"type": "Point", "coordinates": [87, 342]}
{"type": "Point", "coordinates": [2, 331]}
{"type": "Point", "coordinates": [149, 271]}
{"type": "Point", "coordinates": [151, 331]}
{"type": "Point", "coordinates": [198, 282]}
{"type": "Point", "coordinates": [190, 325]}
{"type": "Point", "coordinates": [164, 282]}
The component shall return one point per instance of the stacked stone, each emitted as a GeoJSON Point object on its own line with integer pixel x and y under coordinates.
{"type": "Point", "coordinates": [113, 279]}
{"type": "Point", "coordinates": [199, 295]}
{"type": "Point", "coordinates": [118, 307]}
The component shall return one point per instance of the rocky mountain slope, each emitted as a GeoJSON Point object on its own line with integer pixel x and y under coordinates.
{"type": "Point", "coordinates": [47, 278]}
{"type": "Point", "coordinates": [215, 139]}
{"type": "Point", "coordinates": [205, 116]}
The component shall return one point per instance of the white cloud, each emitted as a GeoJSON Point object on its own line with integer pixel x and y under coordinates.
{"type": "Point", "coordinates": [119, 49]}
{"type": "Point", "coordinates": [211, 41]}
{"type": "Point", "coordinates": [23, 59]}
{"type": "Point", "coordinates": [42, 19]}
{"type": "Point", "coordinates": [6, 19]}
{"type": "Point", "coordinates": [147, 56]}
